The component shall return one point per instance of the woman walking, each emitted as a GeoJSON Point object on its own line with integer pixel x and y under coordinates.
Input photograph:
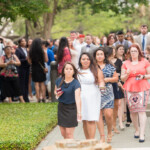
{"type": "Point", "coordinates": [118, 94]}
{"type": "Point", "coordinates": [67, 91]}
{"type": "Point", "coordinates": [107, 97]}
{"type": "Point", "coordinates": [135, 73]}
{"type": "Point", "coordinates": [37, 58]}
{"type": "Point", "coordinates": [91, 78]}
{"type": "Point", "coordinates": [123, 107]}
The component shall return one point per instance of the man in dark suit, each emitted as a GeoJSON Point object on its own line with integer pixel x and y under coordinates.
{"type": "Point", "coordinates": [89, 47]}
{"type": "Point", "coordinates": [23, 69]}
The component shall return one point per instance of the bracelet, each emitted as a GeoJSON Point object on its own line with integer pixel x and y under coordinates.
{"type": "Point", "coordinates": [79, 113]}
{"type": "Point", "coordinates": [143, 76]}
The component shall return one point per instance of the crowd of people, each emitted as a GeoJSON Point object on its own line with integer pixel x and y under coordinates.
{"type": "Point", "coordinates": [99, 80]}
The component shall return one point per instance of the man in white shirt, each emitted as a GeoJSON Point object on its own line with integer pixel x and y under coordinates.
{"type": "Point", "coordinates": [143, 39]}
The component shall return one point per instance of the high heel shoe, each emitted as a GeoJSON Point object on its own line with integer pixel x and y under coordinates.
{"type": "Point", "coordinates": [141, 140]}
{"type": "Point", "coordinates": [121, 127]}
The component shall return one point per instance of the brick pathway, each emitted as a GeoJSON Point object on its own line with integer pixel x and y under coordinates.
{"type": "Point", "coordinates": [123, 140]}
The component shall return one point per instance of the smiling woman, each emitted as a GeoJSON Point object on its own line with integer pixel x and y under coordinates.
{"type": "Point", "coordinates": [135, 73]}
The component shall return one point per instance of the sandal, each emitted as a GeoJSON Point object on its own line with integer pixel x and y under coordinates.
{"type": "Point", "coordinates": [102, 140]}
{"type": "Point", "coordinates": [116, 131]}
{"type": "Point", "coordinates": [109, 138]}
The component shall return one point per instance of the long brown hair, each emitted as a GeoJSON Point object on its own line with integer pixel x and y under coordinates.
{"type": "Point", "coordinates": [63, 74]}
{"type": "Point", "coordinates": [93, 66]}
{"type": "Point", "coordinates": [139, 50]}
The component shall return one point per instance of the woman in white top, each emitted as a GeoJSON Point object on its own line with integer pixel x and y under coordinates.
{"type": "Point", "coordinates": [91, 78]}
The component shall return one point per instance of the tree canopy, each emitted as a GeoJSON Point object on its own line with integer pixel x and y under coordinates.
{"type": "Point", "coordinates": [32, 9]}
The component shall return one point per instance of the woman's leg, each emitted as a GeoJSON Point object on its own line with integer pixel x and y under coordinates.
{"type": "Point", "coordinates": [100, 126]}
{"type": "Point", "coordinates": [37, 89]}
{"type": "Point", "coordinates": [115, 114]}
{"type": "Point", "coordinates": [29, 86]}
{"type": "Point", "coordinates": [43, 90]}
{"type": "Point", "coordinates": [91, 128]}
{"type": "Point", "coordinates": [69, 133]}
{"type": "Point", "coordinates": [21, 99]}
{"type": "Point", "coordinates": [63, 131]}
{"type": "Point", "coordinates": [128, 116]}
{"type": "Point", "coordinates": [142, 121]}
{"type": "Point", "coordinates": [85, 129]}
{"type": "Point", "coordinates": [108, 112]}
{"type": "Point", "coordinates": [121, 112]}
{"type": "Point", "coordinates": [10, 99]}
{"type": "Point", "coordinates": [135, 120]}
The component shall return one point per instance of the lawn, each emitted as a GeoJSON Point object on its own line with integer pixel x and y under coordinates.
{"type": "Point", "coordinates": [22, 126]}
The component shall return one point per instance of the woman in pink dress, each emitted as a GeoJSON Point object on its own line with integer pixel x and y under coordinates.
{"type": "Point", "coordinates": [135, 73]}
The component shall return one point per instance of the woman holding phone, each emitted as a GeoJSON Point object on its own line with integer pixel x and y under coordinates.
{"type": "Point", "coordinates": [67, 91]}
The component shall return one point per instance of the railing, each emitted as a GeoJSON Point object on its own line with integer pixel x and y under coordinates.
{"type": "Point", "coordinates": [53, 75]}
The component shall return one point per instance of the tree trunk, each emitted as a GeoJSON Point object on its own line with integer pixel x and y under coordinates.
{"type": "Point", "coordinates": [48, 20]}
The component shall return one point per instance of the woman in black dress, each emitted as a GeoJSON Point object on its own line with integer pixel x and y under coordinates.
{"type": "Point", "coordinates": [120, 54]}
{"type": "Point", "coordinates": [37, 57]}
{"type": "Point", "coordinates": [118, 93]}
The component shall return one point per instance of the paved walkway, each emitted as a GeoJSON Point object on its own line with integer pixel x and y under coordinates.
{"type": "Point", "coordinates": [122, 141]}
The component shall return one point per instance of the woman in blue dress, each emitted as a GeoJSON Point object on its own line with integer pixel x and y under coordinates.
{"type": "Point", "coordinates": [107, 97]}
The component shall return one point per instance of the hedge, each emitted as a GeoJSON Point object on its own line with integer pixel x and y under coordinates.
{"type": "Point", "coordinates": [22, 126]}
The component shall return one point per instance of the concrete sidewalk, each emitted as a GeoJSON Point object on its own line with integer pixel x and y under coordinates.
{"type": "Point", "coordinates": [122, 141]}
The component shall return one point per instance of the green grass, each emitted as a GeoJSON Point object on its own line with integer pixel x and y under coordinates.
{"type": "Point", "coordinates": [22, 126]}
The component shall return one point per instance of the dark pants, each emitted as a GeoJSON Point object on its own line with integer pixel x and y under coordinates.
{"type": "Point", "coordinates": [24, 79]}
{"type": "Point", "coordinates": [128, 115]}
{"type": "Point", "coordinates": [2, 97]}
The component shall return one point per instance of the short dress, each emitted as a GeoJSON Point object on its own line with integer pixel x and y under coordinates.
{"type": "Point", "coordinates": [67, 111]}
{"type": "Point", "coordinates": [136, 91]}
{"type": "Point", "coordinates": [38, 74]}
{"type": "Point", "coordinates": [107, 97]}
{"type": "Point", "coordinates": [118, 93]}
{"type": "Point", "coordinates": [90, 96]}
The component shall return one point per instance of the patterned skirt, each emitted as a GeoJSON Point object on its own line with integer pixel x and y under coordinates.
{"type": "Point", "coordinates": [107, 97]}
{"type": "Point", "coordinates": [137, 101]}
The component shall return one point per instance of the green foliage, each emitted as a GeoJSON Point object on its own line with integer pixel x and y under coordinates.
{"type": "Point", "coordinates": [32, 9]}
{"type": "Point", "coordinates": [97, 24]}
{"type": "Point", "coordinates": [24, 125]}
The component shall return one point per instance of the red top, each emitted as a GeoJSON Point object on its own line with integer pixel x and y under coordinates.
{"type": "Point", "coordinates": [131, 84]}
{"type": "Point", "coordinates": [66, 57]}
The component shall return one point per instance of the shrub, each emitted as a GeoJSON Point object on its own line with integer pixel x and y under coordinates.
{"type": "Point", "coordinates": [22, 126]}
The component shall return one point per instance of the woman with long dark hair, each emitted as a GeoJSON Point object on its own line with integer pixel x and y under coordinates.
{"type": "Point", "coordinates": [67, 90]}
{"type": "Point", "coordinates": [63, 53]}
{"type": "Point", "coordinates": [91, 79]}
{"type": "Point", "coordinates": [118, 93]}
{"type": "Point", "coordinates": [38, 57]}
{"type": "Point", "coordinates": [107, 97]}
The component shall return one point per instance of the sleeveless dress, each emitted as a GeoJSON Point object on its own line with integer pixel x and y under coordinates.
{"type": "Point", "coordinates": [38, 74]}
{"type": "Point", "coordinates": [90, 96]}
